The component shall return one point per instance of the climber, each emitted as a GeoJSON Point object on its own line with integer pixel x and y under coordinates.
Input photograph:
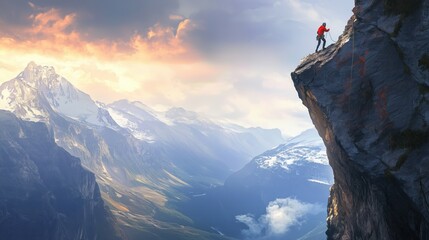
{"type": "Point", "coordinates": [321, 35]}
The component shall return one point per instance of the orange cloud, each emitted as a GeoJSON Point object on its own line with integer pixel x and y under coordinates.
{"type": "Point", "coordinates": [184, 27]}
{"type": "Point", "coordinates": [164, 43]}
{"type": "Point", "coordinates": [53, 32]}
{"type": "Point", "coordinates": [51, 22]}
{"type": "Point", "coordinates": [158, 62]}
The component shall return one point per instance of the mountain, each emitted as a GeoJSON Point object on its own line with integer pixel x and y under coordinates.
{"type": "Point", "coordinates": [297, 169]}
{"type": "Point", "coordinates": [45, 192]}
{"type": "Point", "coordinates": [368, 97]}
{"type": "Point", "coordinates": [176, 136]}
{"type": "Point", "coordinates": [23, 96]}
{"type": "Point", "coordinates": [225, 145]}
{"type": "Point", "coordinates": [139, 175]}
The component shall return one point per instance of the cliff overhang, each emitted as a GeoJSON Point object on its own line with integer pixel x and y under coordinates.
{"type": "Point", "coordinates": [368, 96]}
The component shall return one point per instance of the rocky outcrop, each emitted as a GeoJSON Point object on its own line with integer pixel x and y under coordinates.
{"type": "Point", "coordinates": [45, 193]}
{"type": "Point", "coordinates": [368, 96]}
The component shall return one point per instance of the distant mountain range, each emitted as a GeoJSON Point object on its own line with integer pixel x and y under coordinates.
{"type": "Point", "coordinates": [297, 171]}
{"type": "Point", "coordinates": [164, 175]}
{"type": "Point", "coordinates": [143, 160]}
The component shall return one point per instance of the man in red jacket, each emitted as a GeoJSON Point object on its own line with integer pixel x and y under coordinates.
{"type": "Point", "coordinates": [321, 35]}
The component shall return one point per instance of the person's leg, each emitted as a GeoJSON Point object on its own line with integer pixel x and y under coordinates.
{"type": "Point", "coordinates": [318, 44]}
{"type": "Point", "coordinates": [324, 42]}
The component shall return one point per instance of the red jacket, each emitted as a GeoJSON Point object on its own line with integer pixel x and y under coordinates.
{"type": "Point", "coordinates": [322, 29]}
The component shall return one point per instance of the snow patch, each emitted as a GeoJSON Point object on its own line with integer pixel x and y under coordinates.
{"type": "Point", "coordinates": [216, 230]}
{"type": "Point", "coordinates": [320, 182]}
{"type": "Point", "coordinates": [294, 155]}
{"type": "Point", "coordinates": [133, 127]}
{"type": "Point", "coordinates": [306, 147]}
{"type": "Point", "coordinates": [199, 195]}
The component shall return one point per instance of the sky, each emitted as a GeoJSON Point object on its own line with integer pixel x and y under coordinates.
{"type": "Point", "coordinates": [229, 60]}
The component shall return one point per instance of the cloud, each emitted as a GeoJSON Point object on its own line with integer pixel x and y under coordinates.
{"type": "Point", "coordinates": [236, 27]}
{"type": "Point", "coordinates": [224, 30]}
{"type": "Point", "coordinates": [270, 31]}
{"type": "Point", "coordinates": [281, 215]}
{"type": "Point", "coordinates": [95, 19]}
{"type": "Point", "coordinates": [55, 31]}
{"type": "Point", "coordinates": [255, 227]}
{"type": "Point", "coordinates": [229, 59]}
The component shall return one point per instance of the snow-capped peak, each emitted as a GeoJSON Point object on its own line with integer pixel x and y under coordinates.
{"type": "Point", "coordinates": [306, 147]}
{"type": "Point", "coordinates": [34, 74]}
{"type": "Point", "coordinates": [39, 89]}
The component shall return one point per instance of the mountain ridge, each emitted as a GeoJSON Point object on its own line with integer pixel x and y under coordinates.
{"type": "Point", "coordinates": [138, 178]}
{"type": "Point", "coordinates": [46, 193]}
{"type": "Point", "coordinates": [49, 91]}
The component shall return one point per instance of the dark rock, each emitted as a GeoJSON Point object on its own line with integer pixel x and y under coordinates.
{"type": "Point", "coordinates": [367, 96]}
{"type": "Point", "coordinates": [45, 193]}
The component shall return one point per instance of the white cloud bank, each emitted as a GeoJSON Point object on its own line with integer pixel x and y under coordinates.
{"type": "Point", "coordinates": [280, 216]}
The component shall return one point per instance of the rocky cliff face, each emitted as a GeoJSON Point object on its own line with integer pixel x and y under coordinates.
{"type": "Point", "coordinates": [44, 192]}
{"type": "Point", "coordinates": [368, 96]}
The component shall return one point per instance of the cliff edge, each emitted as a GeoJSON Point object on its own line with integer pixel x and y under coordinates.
{"type": "Point", "coordinates": [368, 96]}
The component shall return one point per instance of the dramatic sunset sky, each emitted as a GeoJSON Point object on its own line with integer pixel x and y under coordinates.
{"type": "Point", "coordinates": [228, 59]}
